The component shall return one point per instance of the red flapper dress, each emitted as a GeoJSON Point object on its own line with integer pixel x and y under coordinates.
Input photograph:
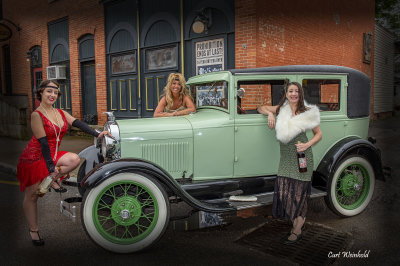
{"type": "Point", "coordinates": [32, 167]}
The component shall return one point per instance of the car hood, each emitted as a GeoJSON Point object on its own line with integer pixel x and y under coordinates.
{"type": "Point", "coordinates": [158, 128]}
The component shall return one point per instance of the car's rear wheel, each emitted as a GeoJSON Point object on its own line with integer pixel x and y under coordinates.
{"type": "Point", "coordinates": [351, 186]}
{"type": "Point", "coordinates": [126, 213]}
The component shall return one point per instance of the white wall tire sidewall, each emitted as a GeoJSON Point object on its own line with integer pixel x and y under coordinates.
{"type": "Point", "coordinates": [158, 230]}
{"type": "Point", "coordinates": [370, 170]}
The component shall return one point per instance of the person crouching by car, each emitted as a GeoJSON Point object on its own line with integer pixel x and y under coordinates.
{"type": "Point", "coordinates": [41, 157]}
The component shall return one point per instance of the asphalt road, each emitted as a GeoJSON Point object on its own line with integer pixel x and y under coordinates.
{"type": "Point", "coordinates": [66, 243]}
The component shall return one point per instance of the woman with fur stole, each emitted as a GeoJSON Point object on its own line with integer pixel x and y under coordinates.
{"type": "Point", "coordinates": [292, 188]}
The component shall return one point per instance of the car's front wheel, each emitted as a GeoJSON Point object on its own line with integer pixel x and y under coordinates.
{"type": "Point", "coordinates": [126, 213]}
{"type": "Point", "coordinates": [351, 186]}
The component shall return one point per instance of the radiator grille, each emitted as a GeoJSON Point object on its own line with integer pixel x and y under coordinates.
{"type": "Point", "coordinates": [172, 156]}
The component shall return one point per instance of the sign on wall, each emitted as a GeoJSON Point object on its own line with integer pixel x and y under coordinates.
{"type": "Point", "coordinates": [209, 56]}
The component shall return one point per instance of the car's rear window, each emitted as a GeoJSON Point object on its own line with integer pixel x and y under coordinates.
{"type": "Point", "coordinates": [325, 93]}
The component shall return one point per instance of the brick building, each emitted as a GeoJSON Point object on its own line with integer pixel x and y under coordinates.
{"type": "Point", "coordinates": [117, 54]}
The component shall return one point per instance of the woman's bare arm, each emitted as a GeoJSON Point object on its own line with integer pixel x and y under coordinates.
{"type": "Point", "coordinates": [317, 137]}
{"type": "Point", "coordinates": [159, 112]}
{"type": "Point", "coordinates": [70, 118]}
{"type": "Point", "coordinates": [270, 111]}
{"type": "Point", "coordinates": [267, 109]}
{"type": "Point", "coordinates": [37, 126]}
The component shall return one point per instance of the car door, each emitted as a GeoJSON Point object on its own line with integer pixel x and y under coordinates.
{"type": "Point", "coordinates": [256, 147]}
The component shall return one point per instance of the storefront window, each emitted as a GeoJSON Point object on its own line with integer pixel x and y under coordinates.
{"type": "Point", "coordinates": [162, 58]}
{"type": "Point", "coordinates": [123, 63]}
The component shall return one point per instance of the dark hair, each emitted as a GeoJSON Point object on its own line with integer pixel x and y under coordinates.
{"type": "Point", "coordinates": [43, 85]}
{"type": "Point", "coordinates": [300, 104]}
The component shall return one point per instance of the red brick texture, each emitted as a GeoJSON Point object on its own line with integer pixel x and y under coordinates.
{"type": "Point", "coordinates": [291, 32]}
{"type": "Point", "coordinates": [84, 17]}
{"type": "Point", "coordinates": [256, 95]}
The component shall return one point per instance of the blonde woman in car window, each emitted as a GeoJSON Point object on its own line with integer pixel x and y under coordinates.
{"type": "Point", "coordinates": [176, 98]}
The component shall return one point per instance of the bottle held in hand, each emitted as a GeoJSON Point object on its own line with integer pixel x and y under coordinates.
{"type": "Point", "coordinates": [45, 185]}
{"type": "Point", "coordinates": [301, 158]}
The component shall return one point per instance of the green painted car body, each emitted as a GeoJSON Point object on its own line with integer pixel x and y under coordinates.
{"type": "Point", "coordinates": [217, 142]}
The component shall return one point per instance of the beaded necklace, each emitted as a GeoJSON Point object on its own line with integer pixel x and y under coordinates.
{"type": "Point", "coordinates": [55, 131]}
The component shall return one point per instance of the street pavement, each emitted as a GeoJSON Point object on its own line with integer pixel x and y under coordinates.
{"type": "Point", "coordinates": [374, 230]}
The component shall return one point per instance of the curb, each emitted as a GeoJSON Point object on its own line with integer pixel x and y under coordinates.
{"type": "Point", "coordinates": [9, 169]}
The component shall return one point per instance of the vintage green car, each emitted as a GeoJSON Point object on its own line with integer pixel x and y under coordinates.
{"type": "Point", "coordinates": [130, 182]}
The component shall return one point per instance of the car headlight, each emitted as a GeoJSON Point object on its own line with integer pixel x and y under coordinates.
{"type": "Point", "coordinates": [110, 146]}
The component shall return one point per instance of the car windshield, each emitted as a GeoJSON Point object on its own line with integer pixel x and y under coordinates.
{"type": "Point", "coordinates": [210, 94]}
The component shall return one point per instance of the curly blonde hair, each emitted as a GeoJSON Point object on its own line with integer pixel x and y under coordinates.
{"type": "Point", "coordinates": [167, 89]}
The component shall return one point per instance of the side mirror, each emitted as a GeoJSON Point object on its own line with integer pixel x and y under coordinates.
{"type": "Point", "coordinates": [240, 92]}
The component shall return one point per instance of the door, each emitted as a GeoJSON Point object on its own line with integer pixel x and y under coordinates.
{"type": "Point", "coordinates": [159, 63]}
{"type": "Point", "coordinates": [160, 50]}
{"type": "Point", "coordinates": [89, 103]}
{"type": "Point", "coordinates": [256, 147]}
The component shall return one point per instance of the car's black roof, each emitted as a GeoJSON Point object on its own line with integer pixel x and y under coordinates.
{"type": "Point", "coordinates": [299, 69]}
{"type": "Point", "coordinates": [358, 90]}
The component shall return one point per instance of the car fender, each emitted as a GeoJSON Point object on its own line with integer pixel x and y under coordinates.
{"type": "Point", "coordinates": [343, 148]}
{"type": "Point", "coordinates": [92, 156]}
{"type": "Point", "coordinates": [106, 170]}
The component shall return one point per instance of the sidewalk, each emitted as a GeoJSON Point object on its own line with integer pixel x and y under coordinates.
{"type": "Point", "coordinates": [12, 149]}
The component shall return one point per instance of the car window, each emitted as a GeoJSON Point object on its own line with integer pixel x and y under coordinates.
{"type": "Point", "coordinates": [210, 94]}
{"type": "Point", "coordinates": [259, 92]}
{"type": "Point", "coordinates": [325, 93]}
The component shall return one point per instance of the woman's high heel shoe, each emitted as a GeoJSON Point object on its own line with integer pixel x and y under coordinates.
{"type": "Point", "coordinates": [37, 242]}
{"type": "Point", "coordinates": [61, 189]}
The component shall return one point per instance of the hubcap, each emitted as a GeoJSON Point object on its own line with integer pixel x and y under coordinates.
{"type": "Point", "coordinates": [352, 186]}
{"type": "Point", "coordinates": [125, 212]}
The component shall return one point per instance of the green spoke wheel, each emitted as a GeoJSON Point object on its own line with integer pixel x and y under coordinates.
{"type": "Point", "coordinates": [351, 186]}
{"type": "Point", "coordinates": [126, 213]}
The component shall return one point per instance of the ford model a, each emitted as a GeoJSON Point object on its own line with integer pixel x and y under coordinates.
{"type": "Point", "coordinates": [224, 149]}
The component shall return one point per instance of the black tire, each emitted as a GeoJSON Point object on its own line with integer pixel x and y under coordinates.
{"type": "Point", "coordinates": [351, 186]}
{"type": "Point", "coordinates": [126, 213]}
{"type": "Point", "coordinates": [80, 176]}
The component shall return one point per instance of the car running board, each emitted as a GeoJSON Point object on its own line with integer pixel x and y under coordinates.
{"type": "Point", "coordinates": [263, 199]}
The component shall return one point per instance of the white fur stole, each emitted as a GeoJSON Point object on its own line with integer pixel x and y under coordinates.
{"type": "Point", "coordinates": [288, 126]}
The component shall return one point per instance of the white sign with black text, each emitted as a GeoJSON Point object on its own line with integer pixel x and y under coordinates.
{"type": "Point", "coordinates": [209, 56]}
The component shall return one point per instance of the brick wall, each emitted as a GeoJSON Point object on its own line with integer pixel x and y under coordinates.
{"type": "Point", "coordinates": [256, 95]}
{"type": "Point", "coordinates": [287, 32]}
{"type": "Point", "coordinates": [267, 33]}
{"type": "Point", "coordinates": [84, 17]}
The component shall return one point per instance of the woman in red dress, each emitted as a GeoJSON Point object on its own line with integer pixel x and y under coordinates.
{"type": "Point", "coordinates": [41, 156]}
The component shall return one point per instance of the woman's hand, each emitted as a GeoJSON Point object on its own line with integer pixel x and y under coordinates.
{"type": "Point", "coordinates": [105, 133]}
{"type": "Point", "coordinates": [302, 146]}
{"type": "Point", "coordinates": [271, 120]}
{"type": "Point", "coordinates": [55, 172]}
